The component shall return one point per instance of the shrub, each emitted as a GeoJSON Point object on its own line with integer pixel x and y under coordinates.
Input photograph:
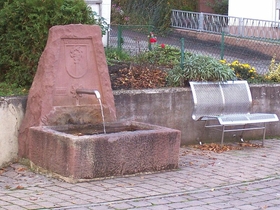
{"type": "Point", "coordinates": [115, 54]}
{"type": "Point", "coordinates": [199, 68]}
{"type": "Point", "coordinates": [118, 15]}
{"type": "Point", "coordinates": [157, 13]}
{"type": "Point", "coordinates": [244, 71]}
{"type": "Point", "coordinates": [145, 12]}
{"type": "Point", "coordinates": [12, 90]}
{"type": "Point", "coordinates": [24, 29]}
{"type": "Point", "coordinates": [274, 71]}
{"type": "Point", "coordinates": [161, 55]}
{"type": "Point", "coordinates": [219, 6]}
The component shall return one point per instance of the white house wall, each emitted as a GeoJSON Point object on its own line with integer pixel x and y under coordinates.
{"type": "Point", "coordinates": [255, 9]}
{"type": "Point", "coordinates": [103, 9]}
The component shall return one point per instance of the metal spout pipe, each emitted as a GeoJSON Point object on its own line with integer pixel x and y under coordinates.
{"type": "Point", "coordinates": [89, 92]}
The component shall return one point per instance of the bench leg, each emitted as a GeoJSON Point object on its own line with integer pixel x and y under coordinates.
{"type": "Point", "coordinates": [223, 134]}
{"type": "Point", "coordinates": [264, 130]}
{"type": "Point", "coordinates": [241, 136]}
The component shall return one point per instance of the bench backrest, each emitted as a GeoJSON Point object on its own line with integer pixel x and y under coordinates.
{"type": "Point", "coordinates": [220, 98]}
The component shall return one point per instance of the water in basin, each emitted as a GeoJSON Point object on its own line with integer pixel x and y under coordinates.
{"type": "Point", "coordinates": [82, 130]}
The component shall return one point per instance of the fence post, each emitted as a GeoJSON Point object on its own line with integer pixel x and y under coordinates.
{"type": "Point", "coordinates": [222, 45]}
{"type": "Point", "coordinates": [150, 29]}
{"type": "Point", "coordinates": [120, 39]}
{"type": "Point", "coordinates": [240, 27]}
{"type": "Point", "coordinates": [182, 53]}
{"type": "Point", "coordinates": [108, 35]}
{"type": "Point", "coordinates": [200, 21]}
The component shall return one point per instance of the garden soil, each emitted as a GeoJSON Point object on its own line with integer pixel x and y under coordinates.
{"type": "Point", "coordinates": [126, 76]}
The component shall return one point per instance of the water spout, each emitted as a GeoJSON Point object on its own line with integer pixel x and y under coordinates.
{"type": "Point", "coordinates": [89, 92]}
{"type": "Point", "coordinates": [98, 96]}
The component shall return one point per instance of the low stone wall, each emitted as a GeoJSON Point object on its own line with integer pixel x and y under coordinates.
{"type": "Point", "coordinates": [168, 107]}
{"type": "Point", "coordinates": [173, 108]}
{"type": "Point", "coordinates": [11, 114]}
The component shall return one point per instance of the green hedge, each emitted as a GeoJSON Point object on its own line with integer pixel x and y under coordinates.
{"type": "Point", "coordinates": [24, 29]}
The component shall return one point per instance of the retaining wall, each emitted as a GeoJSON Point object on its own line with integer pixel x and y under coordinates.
{"type": "Point", "coordinates": [168, 107]}
{"type": "Point", "coordinates": [266, 48]}
{"type": "Point", "coordinates": [11, 114]}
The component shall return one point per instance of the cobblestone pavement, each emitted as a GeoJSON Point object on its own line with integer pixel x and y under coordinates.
{"type": "Point", "coordinates": [237, 179]}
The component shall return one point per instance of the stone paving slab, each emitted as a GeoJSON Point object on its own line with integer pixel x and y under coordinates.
{"type": "Point", "coordinates": [236, 179]}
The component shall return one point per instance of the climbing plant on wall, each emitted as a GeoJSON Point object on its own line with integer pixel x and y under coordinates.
{"type": "Point", "coordinates": [219, 6]}
{"type": "Point", "coordinates": [156, 12]}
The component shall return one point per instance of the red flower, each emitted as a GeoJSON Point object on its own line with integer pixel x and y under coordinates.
{"type": "Point", "coordinates": [162, 45]}
{"type": "Point", "coordinates": [153, 40]}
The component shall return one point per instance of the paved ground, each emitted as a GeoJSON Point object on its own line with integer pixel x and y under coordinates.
{"type": "Point", "coordinates": [238, 179]}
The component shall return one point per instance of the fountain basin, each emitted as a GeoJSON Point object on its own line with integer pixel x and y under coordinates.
{"type": "Point", "coordinates": [74, 154]}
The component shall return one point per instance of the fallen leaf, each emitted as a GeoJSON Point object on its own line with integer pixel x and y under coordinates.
{"type": "Point", "coordinates": [203, 166]}
{"type": "Point", "coordinates": [218, 148]}
{"type": "Point", "coordinates": [247, 144]}
{"type": "Point", "coordinates": [138, 77]}
{"type": "Point", "coordinates": [21, 169]}
{"type": "Point", "coordinates": [19, 187]}
{"type": "Point", "coordinates": [33, 198]}
{"type": "Point", "coordinates": [2, 171]}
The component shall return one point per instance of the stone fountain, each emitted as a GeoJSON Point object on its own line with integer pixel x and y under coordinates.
{"type": "Point", "coordinates": [71, 106]}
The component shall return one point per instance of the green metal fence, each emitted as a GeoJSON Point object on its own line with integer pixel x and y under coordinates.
{"type": "Point", "coordinates": [257, 52]}
{"type": "Point", "coordinates": [131, 38]}
{"type": "Point", "coordinates": [254, 51]}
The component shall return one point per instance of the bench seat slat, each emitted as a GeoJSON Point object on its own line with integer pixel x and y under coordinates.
{"type": "Point", "coordinates": [247, 118]}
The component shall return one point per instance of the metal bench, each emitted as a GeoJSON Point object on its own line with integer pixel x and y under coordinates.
{"type": "Point", "coordinates": [226, 106]}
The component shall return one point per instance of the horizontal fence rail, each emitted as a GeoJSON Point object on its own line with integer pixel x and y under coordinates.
{"type": "Point", "coordinates": [234, 26]}
{"type": "Point", "coordinates": [256, 52]}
